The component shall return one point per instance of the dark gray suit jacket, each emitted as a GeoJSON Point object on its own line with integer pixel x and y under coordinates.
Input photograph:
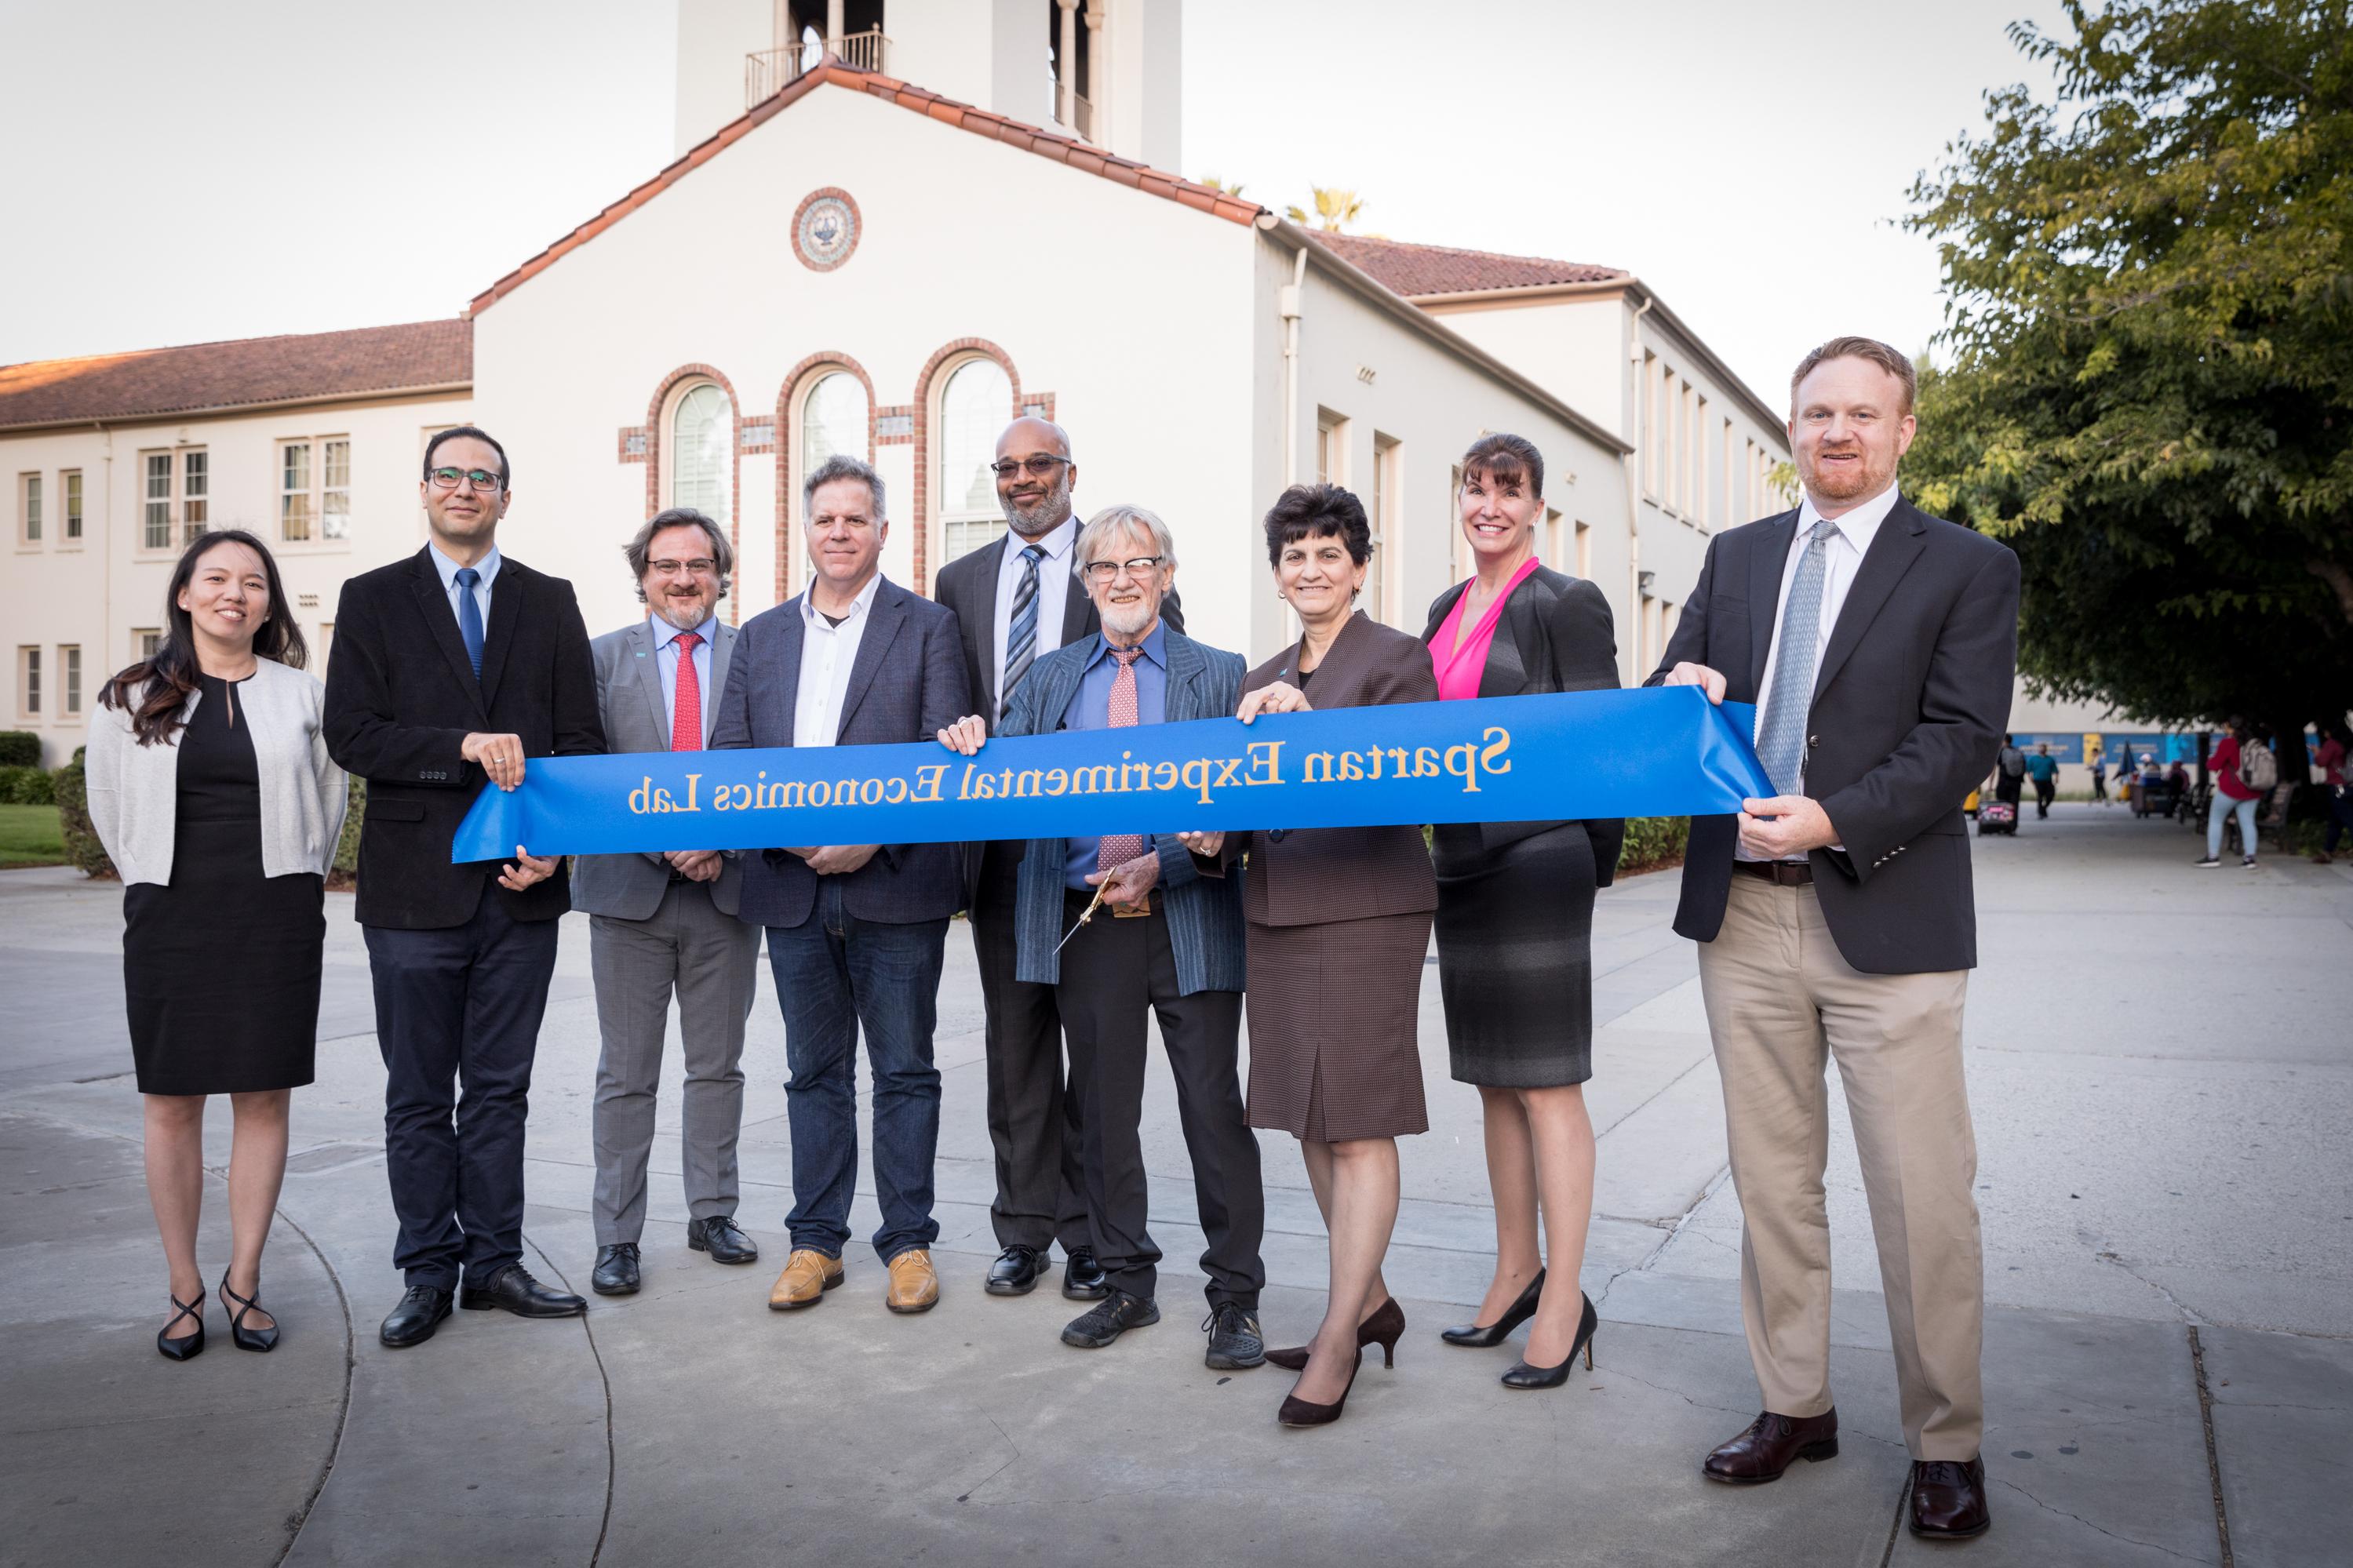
{"type": "Point", "coordinates": [1908, 709]}
{"type": "Point", "coordinates": [630, 696]}
{"type": "Point", "coordinates": [906, 684]}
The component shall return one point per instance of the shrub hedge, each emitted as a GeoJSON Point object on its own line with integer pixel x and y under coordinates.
{"type": "Point", "coordinates": [1654, 843]}
{"type": "Point", "coordinates": [19, 749]}
{"type": "Point", "coordinates": [83, 847]}
{"type": "Point", "coordinates": [27, 786]}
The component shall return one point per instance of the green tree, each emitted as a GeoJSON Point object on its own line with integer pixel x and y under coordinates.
{"type": "Point", "coordinates": [2149, 312]}
{"type": "Point", "coordinates": [1335, 210]}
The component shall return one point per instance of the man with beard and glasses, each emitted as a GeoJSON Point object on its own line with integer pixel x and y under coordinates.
{"type": "Point", "coordinates": [1016, 600]}
{"type": "Point", "coordinates": [1836, 920]}
{"type": "Point", "coordinates": [663, 922]}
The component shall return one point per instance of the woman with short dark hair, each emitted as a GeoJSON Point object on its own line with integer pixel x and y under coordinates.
{"type": "Point", "coordinates": [1338, 927]}
{"type": "Point", "coordinates": [211, 788]}
{"type": "Point", "coordinates": [1516, 918]}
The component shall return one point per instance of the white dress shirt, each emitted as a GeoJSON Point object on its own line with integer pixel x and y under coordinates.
{"type": "Point", "coordinates": [828, 654]}
{"type": "Point", "coordinates": [1053, 592]}
{"type": "Point", "coordinates": [488, 566]}
{"type": "Point", "coordinates": [665, 663]}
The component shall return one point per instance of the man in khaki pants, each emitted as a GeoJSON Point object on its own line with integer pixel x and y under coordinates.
{"type": "Point", "coordinates": [1879, 645]}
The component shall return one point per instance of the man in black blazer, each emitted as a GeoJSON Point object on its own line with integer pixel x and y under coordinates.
{"type": "Point", "coordinates": [450, 668]}
{"type": "Point", "coordinates": [856, 932]}
{"type": "Point", "coordinates": [1880, 645]}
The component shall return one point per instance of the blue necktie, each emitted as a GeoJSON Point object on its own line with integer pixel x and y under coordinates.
{"type": "Point", "coordinates": [1781, 741]}
{"type": "Point", "coordinates": [1021, 637]}
{"type": "Point", "coordinates": [469, 617]}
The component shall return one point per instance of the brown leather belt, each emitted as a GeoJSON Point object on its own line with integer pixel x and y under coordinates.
{"type": "Point", "coordinates": [1780, 873]}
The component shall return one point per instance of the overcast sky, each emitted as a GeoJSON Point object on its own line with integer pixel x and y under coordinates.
{"type": "Point", "coordinates": [181, 173]}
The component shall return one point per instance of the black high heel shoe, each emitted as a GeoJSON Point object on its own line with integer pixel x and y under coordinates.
{"type": "Point", "coordinates": [189, 1346]}
{"type": "Point", "coordinates": [246, 1338]}
{"type": "Point", "coordinates": [1522, 1375]}
{"type": "Point", "coordinates": [1384, 1328]}
{"type": "Point", "coordinates": [1298, 1412]}
{"type": "Point", "coordinates": [1495, 1334]}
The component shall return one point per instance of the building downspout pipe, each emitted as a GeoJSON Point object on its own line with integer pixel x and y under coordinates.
{"type": "Point", "coordinates": [1634, 486]}
{"type": "Point", "coordinates": [1290, 302]}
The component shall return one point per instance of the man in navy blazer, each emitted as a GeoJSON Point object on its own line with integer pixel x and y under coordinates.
{"type": "Point", "coordinates": [1167, 942]}
{"type": "Point", "coordinates": [855, 932]}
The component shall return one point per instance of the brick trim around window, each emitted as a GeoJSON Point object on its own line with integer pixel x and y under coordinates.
{"type": "Point", "coordinates": [960, 349]}
{"type": "Point", "coordinates": [796, 380]}
{"type": "Point", "coordinates": [653, 443]}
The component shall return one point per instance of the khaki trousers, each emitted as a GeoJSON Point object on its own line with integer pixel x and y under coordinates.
{"type": "Point", "coordinates": [1777, 994]}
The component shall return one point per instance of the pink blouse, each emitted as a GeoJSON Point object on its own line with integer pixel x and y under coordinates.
{"type": "Point", "coordinates": [1459, 663]}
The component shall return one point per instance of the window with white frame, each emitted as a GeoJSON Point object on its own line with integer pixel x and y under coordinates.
{"type": "Point", "coordinates": [701, 443]}
{"type": "Point", "coordinates": [1382, 515]}
{"type": "Point", "coordinates": [294, 513]}
{"type": "Point", "coordinates": [70, 483]}
{"type": "Point", "coordinates": [335, 488]}
{"type": "Point", "coordinates": [28, 509]}
{"type": "Point", "coordinates": [174, 497]}
{"type": "Point", "coordinates": [155, 503]}
{"type": "Point", "coordinates": [69, 666]}
{"type": "Point", "coordinates": [146, 640]}
{"type": "Point", "coordinates": [1584, 548]}
{"type": "Point", "coordinates": [196, 494]}
{"type": "Point", "coordinates": [833, 421]}
{"type": "Point", "coordinates": [29, 682]}
{"type": "Point", "coordinates": [974, 407]}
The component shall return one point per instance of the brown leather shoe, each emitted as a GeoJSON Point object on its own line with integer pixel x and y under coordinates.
{"type": "Point", "coordinates": [1771, 1444]}
{"type": "Point", "coordinates": [914, 1288]}
{"type": "Point", "coordinates": [1949, 1498]}
{"type": "Point", "coordinates": [809, 1275]}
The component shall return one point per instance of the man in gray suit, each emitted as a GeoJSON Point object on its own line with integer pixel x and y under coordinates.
{"type": "Point", "coordinates": [665, 922]}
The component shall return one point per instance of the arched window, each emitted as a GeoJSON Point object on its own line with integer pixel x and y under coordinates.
{"type": "Point", "coordinates": [701, 438]}
{"type": "Point", "coordinates": [833, 419]}
{"type": "Point", "coordinates": [973, 407]}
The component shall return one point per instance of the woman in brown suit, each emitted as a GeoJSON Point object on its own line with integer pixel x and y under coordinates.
{"type": "Point", "coordinates": [1339, 926]}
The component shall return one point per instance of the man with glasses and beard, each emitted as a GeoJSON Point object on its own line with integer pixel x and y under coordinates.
{"type": "Point", "coordinates": [1016, 600]}
{"type": "Point", "coordinates": [664, 923]}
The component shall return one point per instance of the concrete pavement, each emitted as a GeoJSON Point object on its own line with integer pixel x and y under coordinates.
{"type": "Point", "coordinates": [2161, 1092]}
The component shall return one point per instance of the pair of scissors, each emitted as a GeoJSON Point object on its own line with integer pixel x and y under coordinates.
{"type": "Point", "coordinates": [1084, 915]}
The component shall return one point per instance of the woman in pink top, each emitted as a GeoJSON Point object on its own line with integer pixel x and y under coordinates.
{"type": "Point", "coordinates": [1515, 917]}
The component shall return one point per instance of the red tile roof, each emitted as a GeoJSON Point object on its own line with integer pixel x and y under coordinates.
{"type": "Point", "coordinates": [1417, 271]}
{"type": "Point", "coordinates": [245, 373]}
{"type": "Point", "coordinates": [1051, 144]}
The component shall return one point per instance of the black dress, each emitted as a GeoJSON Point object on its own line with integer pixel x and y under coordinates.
{"type": "Point", "coordinates": [221, 967]}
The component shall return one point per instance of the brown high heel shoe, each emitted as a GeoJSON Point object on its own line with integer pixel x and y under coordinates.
{"type": "Point", "coordinates": [1298, 1412]}
{"type": "Point", "coordinates": [1384, 1329]}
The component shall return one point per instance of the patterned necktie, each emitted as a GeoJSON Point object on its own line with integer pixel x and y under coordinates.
{"type": "Point", "coordinates": [1115, 850]}
{"type": "Point", "coordinates": [1782, 739]}
{"type": "Point", "coordinates": [1021, 637]}
{"type": "Point", "coordinates": [686, 706]}
{"type": "Point", "coordinates": [469, 617]}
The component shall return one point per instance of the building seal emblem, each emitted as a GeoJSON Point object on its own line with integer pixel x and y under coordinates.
{"type": "Point", "coordinates": [826, 229]}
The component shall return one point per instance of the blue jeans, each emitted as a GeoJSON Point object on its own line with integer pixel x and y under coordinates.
{"type": "Point", "coordinates": [836, 974]}
{"type": "Point", "coordinates": [2223, 807]}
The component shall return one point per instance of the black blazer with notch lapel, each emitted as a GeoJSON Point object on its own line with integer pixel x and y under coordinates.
{"type": "Point", "coordinates": [1556, 635]}
{"type": "Point", "coordinates": [401, 700]}
{"type": "Point", "coordinates": [1909, 709]}
{"type": "Point", "coordinates": [906, 684]}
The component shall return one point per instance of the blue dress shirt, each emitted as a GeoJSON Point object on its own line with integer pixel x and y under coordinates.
{"type": "Point", "coordinates": [1089, 709]}
{"type": "Point", "coordinates": [488, 566]}
{"type": "Point", "coordinates": [665, 661]}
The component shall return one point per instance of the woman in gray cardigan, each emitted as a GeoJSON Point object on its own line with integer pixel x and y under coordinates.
{"type": "Point", "coordinates": [211, 788]}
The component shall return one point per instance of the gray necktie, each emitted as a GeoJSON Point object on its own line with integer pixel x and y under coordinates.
{"type": "Point", "coordinates": [1781, 742]}
{"type": "Point", "coordinates": [1021, 635]}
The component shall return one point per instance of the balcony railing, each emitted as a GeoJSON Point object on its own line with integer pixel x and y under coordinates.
{"type": "Point", "coordinates": [1082, 117]}
{"type": "Point", "coordinates": [768, 72]}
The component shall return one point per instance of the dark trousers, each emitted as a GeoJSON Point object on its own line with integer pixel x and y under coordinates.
{"type": "Point", "coordinates": [2340, 818]}
{"type": "Point", "coordinates": [1033, 1125]}
{"type": "Point", "coordinates": [2045, 792]}
{"type": "Point", "coordinates": [2005, 789]}
{"type": "Point", "coordinates": [456, 1018]}
{"type": "Point", "coordinates": [836, 974]}
{"type": "Point", "coordinates": [1117, 974]}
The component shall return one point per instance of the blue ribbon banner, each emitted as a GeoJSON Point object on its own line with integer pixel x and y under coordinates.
{"type": "Point", "coordinates": [1656, 752]}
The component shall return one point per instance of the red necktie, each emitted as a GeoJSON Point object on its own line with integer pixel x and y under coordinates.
{"type": "Point", "coordinates": [686, 708]}
{"type": "Point", "coordinates": [1116, 849]}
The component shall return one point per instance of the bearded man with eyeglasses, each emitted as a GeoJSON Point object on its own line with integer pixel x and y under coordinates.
{"type": "Point", "coordinates": [451, 669]}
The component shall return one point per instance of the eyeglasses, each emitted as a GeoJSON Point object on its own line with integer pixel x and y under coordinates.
{"type": "Point", "coordinates": [1108, 571]}
{"type": "Point", "coordinates": [1037, 463]}
{"type": "Point", "coordinates": [447, 478]}
{"type": "Point", "coordinates": [701, 566]}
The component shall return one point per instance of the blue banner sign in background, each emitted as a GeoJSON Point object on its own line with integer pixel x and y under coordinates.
{"type": "Point", "coordinates": [1658, 752]}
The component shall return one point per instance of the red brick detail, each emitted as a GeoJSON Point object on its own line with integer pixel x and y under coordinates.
{"type": "Point", "coordinates": [857, 226]}
{"type": "Point", "coordinates": [906, 411]}
{"type": "Point", "coordinates": [961, 349]}
{"type": "Point", "coordinates": [652, 459]}
{"type": "Point", "coordinates": [1041, 402]}
{"type": "Point", "coordinates": [796, 379]}
{"type": "Point", "coordinates": [632, 435]}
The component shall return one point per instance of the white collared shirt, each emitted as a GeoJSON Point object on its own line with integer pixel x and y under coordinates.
{"type": "Point", "coordinates": [666, 665]}
{"type": "Point", "coordinates": [1053, 592]}
{"type": "Point", "coordinates": [828, 654]}
{"type": "Point", "coordinates": [488, 566]}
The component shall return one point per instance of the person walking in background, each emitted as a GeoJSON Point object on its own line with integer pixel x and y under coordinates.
{"type": "Point", "coordinates": [452, 668]}
{"type": "Point", "coordinates": [2008, 772]}
{"type": "Point", "coordinates": [2097, 762]}
{"type": "Point", "coordinates": [1836, 918]}
{"type": "Point", "coordinates": [1338, 922]}
{"type": "Point", "coordinates": [2330, 759]}
{"type": "Point", "coordinates": [664, 925]}
{"type": "Point", "coordinates": [1516, 919]}
{"type": "Point", "coordinates": [211, 788]}
{"type": "Point", "coordinates": [2043, 769]}
{"type": "Point", "coordinates": [856, 932]}
{"type": "Point", "coordinates": [2244, 771]}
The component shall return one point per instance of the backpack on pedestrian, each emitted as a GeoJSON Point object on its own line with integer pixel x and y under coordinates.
{"type": "Point", "coordinates": [2012, 763]}
{"type": "Point", "coordinates": [2258, 769]}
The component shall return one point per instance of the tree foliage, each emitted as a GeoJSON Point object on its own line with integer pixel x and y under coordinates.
{"type": "Point", "coordinates": [2149, 282]}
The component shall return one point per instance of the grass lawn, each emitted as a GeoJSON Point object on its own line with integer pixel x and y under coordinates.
{"type": "Point", "coordinates": [30, 835]}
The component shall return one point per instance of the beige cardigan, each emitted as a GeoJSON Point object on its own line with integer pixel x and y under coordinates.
{"type": "Point", "coordinates": [133, 789]}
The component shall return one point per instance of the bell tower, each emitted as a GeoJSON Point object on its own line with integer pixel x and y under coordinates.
{"type": "Point", "coordinates": [1106, 71]}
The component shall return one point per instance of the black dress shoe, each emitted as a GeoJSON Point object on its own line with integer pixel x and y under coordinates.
{"type": "Point", "coordinates": [1948, 1499]}
{"type": "Point", "coordinates": [718, 1237]}
{"type": "Point", "coordinates": [419, 1314]}
{"type": "Point", "coordinates": [1083, 1278]}
{"type": "Point", "coordinates": [185, 1347]}
{"type": "Point", "coordinates": [1235, 1343]}
{"type": "Point", "coordinates": [512, 1290]}
{"type": "Point", "coordinates": [1486, 1336]}
{"type": "Point", "coordinates": [1770, 1446]}
{"type": "Point", "coordinates": [1016, 1271]}
{"type": "Point", "coordinates": [238, 1306]}
{"type": "Point", "coordinates": [1108, 1318]}
{"type": "Point", "coordinates": [1524, 1376]}
{"type": "Point", "coordinates": [617, 1270]}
